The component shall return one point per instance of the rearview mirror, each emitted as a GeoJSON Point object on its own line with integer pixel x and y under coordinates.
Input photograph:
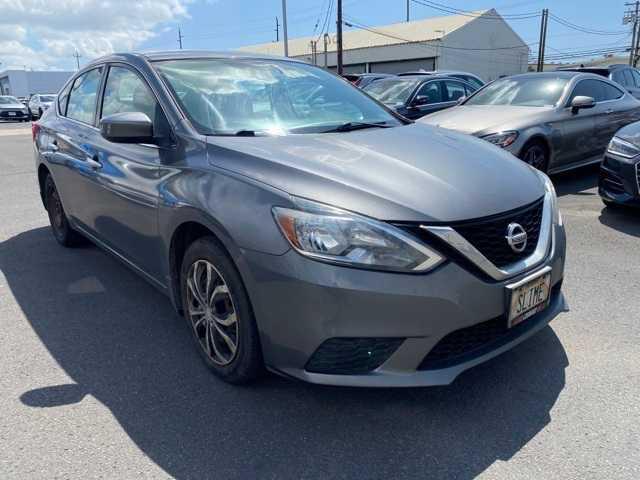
{"type": "Point", "coordinates": [130, 127]}
{"type": "Point", "coordinates": [580, 102]}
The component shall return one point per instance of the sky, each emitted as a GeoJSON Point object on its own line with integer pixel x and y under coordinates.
{"type": "Point", "coordinates": [45, 34]}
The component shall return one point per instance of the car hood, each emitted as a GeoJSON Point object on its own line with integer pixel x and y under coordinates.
{"type": "Point", "coordinates": [409, 173]}
{"type": "Point", "coordinates": [485, 119]}
{"type": "Point", "coordinates": [12, 106]}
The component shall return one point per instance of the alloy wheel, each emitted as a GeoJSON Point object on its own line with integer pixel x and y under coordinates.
{"type": "Point", "coordinates": [536, 157]}
{"type": "Point", "coordinates": [212, 313]}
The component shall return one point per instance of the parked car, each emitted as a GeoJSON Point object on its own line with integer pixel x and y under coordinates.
{"type": "Point", "coordinates": [12, 109]}
{"type": "Point", "coordinates": [416, 96]}
{"type": "Point", "coordinates": [554, 121]}
{"type": "Point", "coordinates": [619, 182]}
{"type": "Point", "coordinates": [323, 237]}
{"type": "Point", "coordinates": [625, 75]}
{"type": "Point", "coordinates": [361, 80]}
{"type": "Point", "coordinates": [38, 103]}
{"type": "Point", "coordinates": [24, 101]}
{"type": "Point", "coordinates": [474, 80]}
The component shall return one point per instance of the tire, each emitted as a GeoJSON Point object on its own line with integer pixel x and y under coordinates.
{"type": "Point", "coordinates": [62, 231]}
{"type": "Point", "coordinates": [536, 154]}
{"type": "Point", "coordinates": [227, 313]}
{"type": "Point", "coordinates": [39, 113]}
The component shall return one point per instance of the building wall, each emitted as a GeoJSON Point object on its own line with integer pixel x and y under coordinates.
{"type": "Point", "coordinates": [490, 64]}
{"type": "Point", "coordinates": [22, 83]}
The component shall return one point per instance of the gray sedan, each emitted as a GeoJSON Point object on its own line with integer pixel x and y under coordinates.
{"type": "Point", "coordinates": [316, 234]}
{"type": "Point", "coordinates": [554, 121]}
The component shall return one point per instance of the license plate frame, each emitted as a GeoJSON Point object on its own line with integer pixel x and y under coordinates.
{"type": "Point", "coordinates": [13, 114]}
{"type": "Point", "coordinates": [524, 301]}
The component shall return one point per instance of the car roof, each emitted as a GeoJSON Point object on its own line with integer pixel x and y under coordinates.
{"type": "Point", "coordinates": [187, 54]}
{"type": "Point", "coordinates": [568, 74]}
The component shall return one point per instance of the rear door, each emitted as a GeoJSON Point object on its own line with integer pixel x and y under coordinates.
{"type": "Point", "coordinates": [630, 83]}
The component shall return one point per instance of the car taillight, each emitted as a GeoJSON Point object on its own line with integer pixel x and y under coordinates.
{"type": "Point", "coordinates": [35, 128]}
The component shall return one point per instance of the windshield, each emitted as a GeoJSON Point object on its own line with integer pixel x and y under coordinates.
{"type": "Point", "coordinates": [391, 92]}
{"type": "Point", "coordinates": [8, 100]}
{"type": "Point", "coordinates": [236, 96]}
{"type": "Point", "coordinates": [523, 91]}
{"type": "Point", "coordinates": [47, 98]}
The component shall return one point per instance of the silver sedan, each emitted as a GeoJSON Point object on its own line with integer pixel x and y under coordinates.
{"type": "Point", "coordinates": [554, 121]}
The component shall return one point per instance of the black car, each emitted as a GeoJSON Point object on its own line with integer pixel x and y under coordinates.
{"type": "Point", "coordinates": [361, 80]}
{"type": "Point", "coordinates": [625, 75]}
{"type": "Point", "coordinates": [619, 182]}
{"type": "Point", "coordinates": [474, 80]}
{"type": "Point", "coordinates": [414, 96]}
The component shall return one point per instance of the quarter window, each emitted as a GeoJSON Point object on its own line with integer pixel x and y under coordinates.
{"type": "Point", "coordinates": [628, 77]}
{"type": "Point", "coordinates": [82, 98]}
{"type": "Point", "coordinates": [636, 77]}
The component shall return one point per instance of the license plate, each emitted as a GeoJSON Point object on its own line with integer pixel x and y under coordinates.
{"type": "Point", "coordinates": [528, 298]}
{"type": "Point", "coordinates": [12, 114]}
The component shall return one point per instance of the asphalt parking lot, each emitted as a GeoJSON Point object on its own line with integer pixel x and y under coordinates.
{"type": "Point", "coordinates": [99, 379]}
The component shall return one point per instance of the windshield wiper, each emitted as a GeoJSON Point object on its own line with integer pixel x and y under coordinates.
{"type": "Point", "coordinates": [350, 126]}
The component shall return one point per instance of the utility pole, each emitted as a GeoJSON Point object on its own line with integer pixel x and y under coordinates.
{"type": "Point", "coordinates": [408, 1]}
{"type": "Point", "coordinates": [284, 28]}
{"type": "Point", "coordinates": [77, 57]}
{"type": "Point", "coordinates": [277, 30]}
{"type": "Point", "coordinates": [339, 35]}
{"type": "Point", "coordinates": [326, 38]}
{"type": "Point", "coordinates": [180, 38]}
{"type": "Point", "coordinates": [543, 39]}
{"type": "Point", "coordinates": [631, 16]}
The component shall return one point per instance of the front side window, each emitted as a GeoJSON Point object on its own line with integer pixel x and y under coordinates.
{"type": "Point", "coordinates": [596, 89]}
{"type": "Point", "coordinates": [527, 91]}
{"type": "Point", "coordinates": [455, 90]}
{"type": "Point", "coordinates": [233, 96]}
{"type": "Point", "coordinates": [125, 91]}
{"type": "Point", "coordinates": [81, 105]}
{"type": "Point", "coordinates": [8, 100]}
{"type": "Point", "coordinates": [430, 93]}
{"type": "Point", "coordinates": [391, 92]}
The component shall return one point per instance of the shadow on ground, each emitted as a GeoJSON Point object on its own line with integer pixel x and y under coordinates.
{"type": "Point", "coordinates": [120, 341]}
{"type": "Point", "coordinates": [577, 181]}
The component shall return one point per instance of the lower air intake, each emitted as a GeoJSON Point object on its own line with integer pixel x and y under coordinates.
{"type": "Point", "coordinates": [352, 356]}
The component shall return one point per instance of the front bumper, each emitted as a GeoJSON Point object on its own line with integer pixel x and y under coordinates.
{"type": "Point", "coordinates": [300, 303]}
{"type": "Point", "coordinates": [619, 181]}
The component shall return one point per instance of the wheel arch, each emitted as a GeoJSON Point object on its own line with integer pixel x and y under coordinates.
{"type": "Point", "coordinates": [43, 172]}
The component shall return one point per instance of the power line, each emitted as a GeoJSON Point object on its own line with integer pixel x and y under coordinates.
{"type": "Point", "coordinates": [468, 13]}
{"type": "Point", "coordinates": [582, 29]}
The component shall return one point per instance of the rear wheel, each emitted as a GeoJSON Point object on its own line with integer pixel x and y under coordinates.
{"type": "Point", "coordinates": [536, 154]}
{"type": "Point", "coordinates": [62, 231]}
{"type": "Point", "coordinates": [219, 314]}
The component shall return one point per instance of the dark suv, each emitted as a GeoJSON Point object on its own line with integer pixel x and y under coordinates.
{"type": "Point", "coordinates": [625, 75]}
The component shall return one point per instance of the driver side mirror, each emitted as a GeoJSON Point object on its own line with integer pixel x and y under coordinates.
{"type": "Point", "coordinates": [580, 102]}
{"type": "Point", "coordinates": [129, 127]}
{"type": "Point", "coordinates": [420, 100]}
{"type": "Point", "coordinates": [461, 99]}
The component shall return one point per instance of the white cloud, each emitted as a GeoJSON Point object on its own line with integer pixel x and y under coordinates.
{"type": "Point", "coordinates": [46, 33]}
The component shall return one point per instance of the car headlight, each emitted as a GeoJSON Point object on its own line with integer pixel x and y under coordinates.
{"type": "Point", "coordinates": [502, 139]}
{"type": "Point", "coordinates": [622, 148]}
{"type": "Point", "coordinates": [551, 190]}
{"type": "Point", "coordinates": [336, 236]}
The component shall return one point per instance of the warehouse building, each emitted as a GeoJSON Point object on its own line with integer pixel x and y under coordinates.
{"type": "Point", "coordinates": [22, 83]}
{"type": "Point", "coordinates": [482, 43]}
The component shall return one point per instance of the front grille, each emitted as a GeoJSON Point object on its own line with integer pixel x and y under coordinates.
{"type": "Point", "coordinates": [488, 235]}
{"type": "Point", "coordinates": [638, 176]}
{"type": "Point", "coordinates": [352, 356]}
{"type": "Point", "coordinates": [16, 114]}
{"type": "Point", "coordinates": [472, 342]}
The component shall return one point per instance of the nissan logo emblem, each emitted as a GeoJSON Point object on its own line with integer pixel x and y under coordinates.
{"type": "Point", "coordinates": [516, 237]}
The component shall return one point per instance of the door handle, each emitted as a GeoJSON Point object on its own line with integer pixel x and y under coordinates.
{"type": "Point", "coordinates": [54, 146]}
{"type": "Point", "coordinates": [609, 112]}
{"type": "Point", "coordinates": [93, 162]}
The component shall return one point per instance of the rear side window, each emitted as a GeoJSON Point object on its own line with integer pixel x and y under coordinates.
{"type": "Point", "coordinates": [628, 78]}
{"type": "Point", "coordinates": [618, 76]}
{"type": "Point", "coordinates": [636, 77]}
{"type": "Point", "coordinates": [82, 102]}
{"type": "Point", "coordinates": [472, 80]}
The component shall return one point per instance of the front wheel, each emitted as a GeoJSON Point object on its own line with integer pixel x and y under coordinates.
{"type": "Point", "coordinates": [536, 154]}
{"type": "Point", "coordinates": [219, 314]}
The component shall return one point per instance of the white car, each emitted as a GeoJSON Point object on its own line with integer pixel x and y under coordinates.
{"type": "Point", "coordinates": [38, 103]}
{"type": "Point", "coordinates": [12, 109]}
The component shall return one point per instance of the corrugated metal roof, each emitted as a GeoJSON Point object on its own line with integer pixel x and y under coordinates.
{"type": "Point", "coordinates": [416, 31]}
